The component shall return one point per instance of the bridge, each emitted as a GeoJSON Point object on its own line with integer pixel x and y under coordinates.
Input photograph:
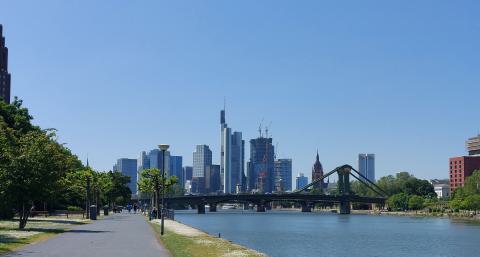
{"type": "Point", "coordinates": [307, 199]}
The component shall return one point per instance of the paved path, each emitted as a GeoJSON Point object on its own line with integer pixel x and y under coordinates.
{"type": "Point", "coordinates": [119, 235]}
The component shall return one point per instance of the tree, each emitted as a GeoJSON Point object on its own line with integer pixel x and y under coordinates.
{"type": "Point", "coordinates": [398, 201]}
{"type": "Point", "coordinates": [36, 164]}
{"type": "Point", "coordinates": [118, 192]}
{"type": "Point", "coordinates": [472, 202]}
{"type": "Point", "coordinates": [151, 182]}
{"type": "Point", "coordinates": [415, 202]}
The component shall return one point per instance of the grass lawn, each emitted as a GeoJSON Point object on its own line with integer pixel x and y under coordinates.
{"type": "Point", "coordinates": [201, 245]}
{"type": "Point", "coordinates": [37, 229]}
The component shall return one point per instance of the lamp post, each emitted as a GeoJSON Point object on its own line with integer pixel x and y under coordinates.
{"type": "Point", "coordinates": [163, 148]}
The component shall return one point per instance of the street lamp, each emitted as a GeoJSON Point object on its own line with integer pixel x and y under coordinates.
{"type": "Point", "coordinates": [163, 148]}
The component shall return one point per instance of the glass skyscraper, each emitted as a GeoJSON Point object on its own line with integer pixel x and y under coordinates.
{"type": "Point", "coordinates": [128, 167]}
{"type": "Point", "coordinates": [202, 157]}
{"type": "Point", "coordinates": [366, 165]}
{"type": "Point", "coordinates": [261, 165]}
{"type": "Point", "coordinates": [301, 181]}
{"type": "Point", "coordinates": [232, 158]}
{"type": "Point", "coordinates": [283, 175]}
{"type": "Point", "coordinates": [176, 168]}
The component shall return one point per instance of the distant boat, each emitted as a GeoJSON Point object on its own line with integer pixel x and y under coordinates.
{"type": "Point", "coordinates": [229, 206]}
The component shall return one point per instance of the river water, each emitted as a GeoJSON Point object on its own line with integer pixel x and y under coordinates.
{"type": "Point", "coordinates": [296, 234]}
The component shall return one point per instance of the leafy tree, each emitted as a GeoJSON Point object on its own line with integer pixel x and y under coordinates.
{"type": "Point", "coordinates": [118, 192]}
{"type": "Point", "coordinates": [415, 202]}
{"type": "Point", "coordinates": [472, 202]}
{"type": "Point", "coordinates": [36, 164]}
{"type": "Point", "coordinates": [398, 201]}
{"type": "Point", "coordinates": [151, 182]}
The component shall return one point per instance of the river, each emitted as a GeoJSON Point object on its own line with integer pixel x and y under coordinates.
{"type": "Point", "coordinates": [296, 234]}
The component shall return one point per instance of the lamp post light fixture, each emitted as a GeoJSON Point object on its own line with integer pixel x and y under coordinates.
{"type": "Point", "coordinates": [163, 148]}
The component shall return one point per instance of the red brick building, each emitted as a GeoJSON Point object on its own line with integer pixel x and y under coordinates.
{"type": "Point", "coordinates": [461, 168]}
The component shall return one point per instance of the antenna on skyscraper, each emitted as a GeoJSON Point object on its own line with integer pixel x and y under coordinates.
{"type": "Point", "coordinates": [266, 129]}
{"type": "Point", "coordinates": [260, 129]}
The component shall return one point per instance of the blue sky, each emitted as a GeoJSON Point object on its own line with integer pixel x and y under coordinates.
{"type": "Point", "coordinates": [398, 79]}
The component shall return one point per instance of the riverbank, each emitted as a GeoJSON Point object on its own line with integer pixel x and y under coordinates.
{"type": "Point", "coordinates": [37, 229]}
{"type": "Point", "coordinates": [184, 241]}
{"type": "Point", "coordinates": [453, 216]}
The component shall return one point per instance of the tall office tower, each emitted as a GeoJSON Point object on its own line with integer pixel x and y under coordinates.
{"type": "Point", "coordinates": [317, 173]}
{"type": "Point", "coordinates": [237, 164]}
{"type": "Point", "coordinates": [4, 75]}
{"type": "Point", "coordinates": [143, 163]}
{"type": "Point", "coordinates": [202, 157]}
{"type": "Point", "coordinates": [176, 168]}
{"type": "Point", "coordinates": [301, 181]}
{"type": "Point", "coordinates": [212, 179]}
{"type": "Point", "coordinates": [156, 160]}
{"type": "Point", "coordinates": [473, 145]}
{"type": "Point", "coordinates": [283, 175]}
{"type": "Point", "coordinates": [261, 165]}
{"type": "Point", "coordinates": [128, 167]}
{"type": "Point", "coordinates": [366, 165]}
{"type": "Point", "coordinates": [232, 157]}
{"type": "Point", "coordinates": [187, 173]}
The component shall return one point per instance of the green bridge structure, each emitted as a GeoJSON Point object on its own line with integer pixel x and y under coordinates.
{"type": "Point", "coordinates": [303, 196]}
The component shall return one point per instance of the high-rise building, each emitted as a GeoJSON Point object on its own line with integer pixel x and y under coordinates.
{"type": "Point", "coordinates": [212, 179]}
{"type": "Point", "coordinates": [283, 175]}
{"type": "Point", "coordinates": [317, 173]}
{"type": "Point", "coordinates": [4, 75]}
{"type": "Point", "coordinates": [176, 168]}
{"type": "Point", "coordinates": [232, 157]}
{"type": "Point", "coordinates": [237, 164]}
{"type": "Point", "coordinates": [128, 167]}
{"type": "Point", "coordinates": [366, 165]}
{"type": "Point", "coordinates": [301, 181]}
{"type": "Point", "coordinates": [473, 145]}
{"type": "Point", "coordinates": [461, 168]}
{"type": "Point", "coordinates": [187, 173]}
{"type": "Point", "coordinates": [202, 157]}
{"type": "Point", "coordinates": [156, 160]}
{"type": "Point", "coordinates": [261, 165]}
{"type": "Point", "coordinates": [143, 163]}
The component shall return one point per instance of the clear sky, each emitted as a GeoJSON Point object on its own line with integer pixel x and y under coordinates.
{"type": "Point", "coordinates": [398, 79]}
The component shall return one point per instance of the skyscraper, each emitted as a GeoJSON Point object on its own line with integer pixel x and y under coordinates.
{"type": "Point", "coordinates": [202, 157]}
{"type": "Point", "coordinates": [143, 163]}
{"type": "Point", "coordinates": [317, 173]}
{"type": "Point", "coordinates": [4, 75]}
{"type": "Point", "coordinates": [283, 175]}
{"type": "Point", "coordinates": [187, 173]}
{"type": "Point", "coordinates": [366, 165]}
{"type": "Point", "coordinates": [212, 178]}
{"type": "Point", "coordinates": [176, 168]}
{"type": "Point", "coordinates": [301, 181]}
{"type": "Point", "coordinates": [232, 160]}
{"type": "Point", "coordinates": [156, 160]}
{"type": "Point", "coordinates": [128, 167]}
{"type": "Point", "coordinates": [261, 165]}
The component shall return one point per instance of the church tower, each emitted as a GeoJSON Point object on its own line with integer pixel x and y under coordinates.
{"type": "Point", "coordinates": [317, 172]}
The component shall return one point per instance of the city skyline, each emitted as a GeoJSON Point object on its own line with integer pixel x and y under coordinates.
{"type": "Point", "coordinates": [401, 82]}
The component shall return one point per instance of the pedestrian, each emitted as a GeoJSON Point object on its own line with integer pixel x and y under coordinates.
{"type": "Point", "coordinates": [135, 208]}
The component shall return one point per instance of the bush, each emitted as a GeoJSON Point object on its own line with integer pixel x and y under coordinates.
{"type": "Point", "coordinates": [74, 208]}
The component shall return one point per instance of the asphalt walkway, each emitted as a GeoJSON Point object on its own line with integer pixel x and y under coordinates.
{"type": "Point", "coordinates": [119, 235]}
